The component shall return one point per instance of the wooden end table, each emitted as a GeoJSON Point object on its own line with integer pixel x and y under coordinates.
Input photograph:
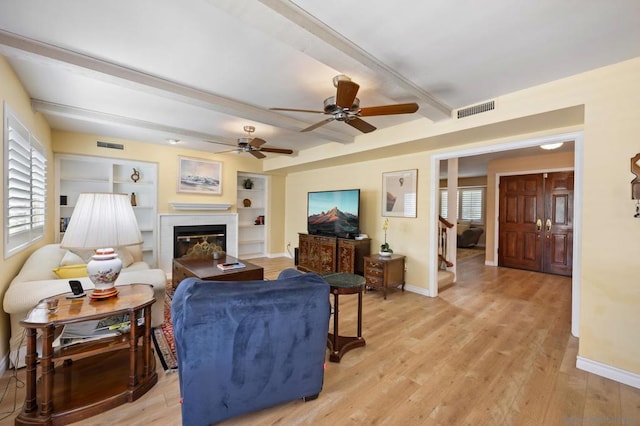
{"type": "Point", "coordinates": [206, 269]}
{"type": "Point", "coordinates": [384, 272]}
{"type": "Point", "coordinates": [344, 283]}
{"type": "Point", "coordinates": [90, 377]}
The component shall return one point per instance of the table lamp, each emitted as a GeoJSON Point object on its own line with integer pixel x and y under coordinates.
{"type": "Point", "coordinates": [102, 222]}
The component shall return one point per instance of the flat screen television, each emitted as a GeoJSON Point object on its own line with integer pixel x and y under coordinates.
{"type": "Point", "coordinates": [334, 213]}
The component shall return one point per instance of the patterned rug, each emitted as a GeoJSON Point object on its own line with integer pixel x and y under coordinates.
{"type": "Point", "coordinates": [163, 337]}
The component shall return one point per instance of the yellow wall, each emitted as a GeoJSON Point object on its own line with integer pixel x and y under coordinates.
{"type": "Point", "coordinates": [12, 92]}
{"type": "Point", "coordinates": [603, 103]}
{"type": "Point", "coordinates": [408, 236]}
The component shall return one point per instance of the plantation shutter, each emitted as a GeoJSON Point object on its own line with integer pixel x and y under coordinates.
{"type": "Point", "coordinates": [472, 202]}
{"type": "Point", "coordinates": [444, 202]}
{"type": "Point", "coordinates": [25, 183]}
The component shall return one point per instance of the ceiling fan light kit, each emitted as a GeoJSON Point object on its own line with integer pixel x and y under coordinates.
{"type": "Point", "coordinates": [345, 107]}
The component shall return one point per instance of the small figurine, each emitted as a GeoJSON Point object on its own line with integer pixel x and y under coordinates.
{"type": "Point", "coordinates": [135, 176]}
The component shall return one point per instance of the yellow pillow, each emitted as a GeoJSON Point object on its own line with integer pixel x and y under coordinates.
{"type": "Point", "coordinates": [71, 271]}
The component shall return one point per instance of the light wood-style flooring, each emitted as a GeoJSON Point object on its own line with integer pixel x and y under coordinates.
{"type": "Point", "coordinates": [493, 349]}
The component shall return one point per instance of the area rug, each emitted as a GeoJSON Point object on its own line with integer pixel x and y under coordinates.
{"type": "Point", "coordinates": [163, 337]}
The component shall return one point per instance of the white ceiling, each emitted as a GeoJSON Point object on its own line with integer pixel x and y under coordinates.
{"type": "Point", "coordinates": [196, 70]}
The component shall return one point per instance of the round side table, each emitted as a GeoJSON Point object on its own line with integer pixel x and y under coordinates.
{"type": "Point", "coordinates": [344, 283]}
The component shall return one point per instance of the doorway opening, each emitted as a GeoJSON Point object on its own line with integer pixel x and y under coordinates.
{"type": "Point", "coordinates": [492, 237]}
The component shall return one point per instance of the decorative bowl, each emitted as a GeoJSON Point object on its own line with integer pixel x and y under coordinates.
{"type": "Point", "coordinates": [384, 253]}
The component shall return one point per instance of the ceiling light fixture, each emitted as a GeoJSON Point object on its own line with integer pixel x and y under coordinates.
{"type": "Point", "coordinates": [550, 146]}
{"type": "Point", "coordinates": [173, 141]}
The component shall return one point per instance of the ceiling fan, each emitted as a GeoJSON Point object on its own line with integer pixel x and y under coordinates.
{"type": "Point", "coordinates": [344, 106]}
{"type": "Point", "coordinates": [254, 146]}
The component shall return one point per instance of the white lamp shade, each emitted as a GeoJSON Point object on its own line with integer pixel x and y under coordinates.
{"type": "Point", "coordinates": [102, 220]}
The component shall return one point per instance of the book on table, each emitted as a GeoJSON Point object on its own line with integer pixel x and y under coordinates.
{"type": "Point", "coordinates": [230, 266]}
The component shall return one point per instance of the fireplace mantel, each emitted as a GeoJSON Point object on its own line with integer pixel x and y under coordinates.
{"type": "Point", "coordinates": [166, 222]}
{"type": "Point", "coordinates": [199, 206]}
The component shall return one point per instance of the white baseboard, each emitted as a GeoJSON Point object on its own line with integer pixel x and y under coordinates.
{"type": "Point", "coordinates": [419, 290]}
{"type": "Point", "coordinates": [613, 373]}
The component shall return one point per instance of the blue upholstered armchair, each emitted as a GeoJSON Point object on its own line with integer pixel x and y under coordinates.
{"type": "Point", "coordinates": [247, 345]}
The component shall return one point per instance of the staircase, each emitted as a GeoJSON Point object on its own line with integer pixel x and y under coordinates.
{"type": "Point", "coordinates": [446, 278]}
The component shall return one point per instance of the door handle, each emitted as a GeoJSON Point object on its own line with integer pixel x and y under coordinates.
{"type": "Point", "coordinates": [548, 225]}
{"type": "Point", "coordinates": [538, 225]}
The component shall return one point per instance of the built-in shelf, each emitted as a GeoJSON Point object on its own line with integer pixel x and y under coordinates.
{"type": "Point", "coordinates": [200, 206]}
{"type": "Point", "coordinates": [246, 242]}
{"type": "Point", "coordinates": [80, 173]}
{"type": "Point", "coordinates": [252, 238]}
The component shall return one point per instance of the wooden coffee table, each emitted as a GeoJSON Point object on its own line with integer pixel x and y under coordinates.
{"type": "Point", "coordinates": [206, 269]}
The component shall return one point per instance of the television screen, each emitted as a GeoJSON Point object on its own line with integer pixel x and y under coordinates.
{"type": "Point", "coordinates": [334, 213]}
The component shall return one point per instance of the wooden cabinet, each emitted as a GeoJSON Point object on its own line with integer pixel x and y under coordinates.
{"type": "Point", "coordinates": [252, 221]}
{"type": "Point", "coordinates": [324, 255]}
{"type": "Point", "coordinates": [80, 173]}
{"type": "Point", "coordinates": [382, 273]}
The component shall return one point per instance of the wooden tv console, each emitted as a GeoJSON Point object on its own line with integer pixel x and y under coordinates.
{"type": "Point", "coordinates": [324, 255]}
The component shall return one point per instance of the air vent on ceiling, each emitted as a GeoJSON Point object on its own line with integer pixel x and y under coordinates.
{"type": "Point", "coordinates": [110, 145]}
{"type": "Point", "coordinates": [476, 109]}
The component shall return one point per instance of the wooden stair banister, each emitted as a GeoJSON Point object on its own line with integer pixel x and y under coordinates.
{"type": "Point", "coordinates": [443, 225]}
{"type": "Point", "coordinates": [445, 222]}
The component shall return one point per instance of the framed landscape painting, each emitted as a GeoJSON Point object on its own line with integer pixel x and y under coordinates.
{"type": "Point", "coordinates": [399, 193]}
{"type": "Point", "coordinates": [199, 176]}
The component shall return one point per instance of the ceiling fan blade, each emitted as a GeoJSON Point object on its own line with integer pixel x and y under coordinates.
{"type": "Point", "coordinates": [257, 154]}
{"type": "Point", "coordinates": [315, 126]}
{"type": "Point", "coordinates": [361, 125]}
{"type": "Point", "coordinates": [276, 150]}
{"type": "Point", "coordinates": [257, 142]}
{"type": "Point", "coordinates": [346, 94]}
{"type": "Point", "coordinates": [296, 110]}
{"type": "Point", "coordinates": [389, 109]}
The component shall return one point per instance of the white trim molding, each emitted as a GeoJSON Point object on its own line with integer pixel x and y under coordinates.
{"type": "Point", "coordinates": [617, 374]}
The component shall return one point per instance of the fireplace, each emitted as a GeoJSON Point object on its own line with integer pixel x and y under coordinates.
{"type": "Point", "coordinates": [185, 238]}
{"type": "Point", "coordinates": [166, 223]}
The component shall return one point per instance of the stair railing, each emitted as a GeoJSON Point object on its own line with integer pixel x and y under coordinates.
{"type": "Point", "coordinates": [443, 226]}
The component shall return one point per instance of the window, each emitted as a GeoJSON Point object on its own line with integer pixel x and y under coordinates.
{"type": "Point", "coordinates": [25, 176]}
{"type": "Point", "coordinates": [469, 204]}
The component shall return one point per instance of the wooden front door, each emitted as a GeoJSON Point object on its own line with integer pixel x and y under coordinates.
{"type": "Point", "coordinates": [536, 222]}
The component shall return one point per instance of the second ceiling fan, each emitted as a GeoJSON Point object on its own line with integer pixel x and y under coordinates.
{"type": "Point", "coordinates": [255, 146]}
{"type": "Point", "coordinates": [345, 107]}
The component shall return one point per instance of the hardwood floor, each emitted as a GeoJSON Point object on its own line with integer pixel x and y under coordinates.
{"type": "Point", "coordinates": [493, 349]}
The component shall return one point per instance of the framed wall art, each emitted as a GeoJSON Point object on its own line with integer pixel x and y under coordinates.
{"type": "Point", "coordinates": [399, 193]}
{"type": "Point", "coordinates": [199, 176]}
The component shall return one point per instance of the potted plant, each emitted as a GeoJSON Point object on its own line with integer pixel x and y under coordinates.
{"type": "Point", "coordinates": [385, 250]}
{"type": "Point", "coordinates": [247, 183]}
